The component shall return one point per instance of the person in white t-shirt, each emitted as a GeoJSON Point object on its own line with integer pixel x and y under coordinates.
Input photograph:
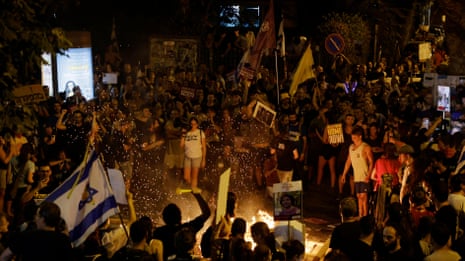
{"type": "Point", "coordinates": [457, 196]}
{"type": "Point", "coordinates": [442, 242]}
{"type": "Point", "coordinates": [195, 150]}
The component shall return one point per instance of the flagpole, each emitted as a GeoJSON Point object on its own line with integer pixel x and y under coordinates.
{"type": "Point", "coordinates": [126, 232]}
{"type": "Point", "coordinates": [86, 157]}
{"type": "Point", "coordinates": [285, 67]}
{"type": "Point", "coordinates": [282, 45]}
{"type": "Point", "coordinates": [277, 74]}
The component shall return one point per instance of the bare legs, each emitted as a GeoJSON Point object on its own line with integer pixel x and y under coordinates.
{"type": "Point", "coordinates": [362, 204]}
{"type": "Point", "coordinates": [191, 176]}
{"type": "Point", "coordinates": [351, 184]}
{"type": "Point", "coordinates": [332, 170]}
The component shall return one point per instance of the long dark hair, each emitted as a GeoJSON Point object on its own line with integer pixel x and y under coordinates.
{"type": "Point", "coordinates": [231, 204]}
{"type": "Point", "coordinates": [390, 150]}
{"type": "Point", "coordinates": [24, 153]}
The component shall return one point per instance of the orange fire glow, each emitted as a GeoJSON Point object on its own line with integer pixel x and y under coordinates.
{"type": "Point", "coordinates": [312, 248]}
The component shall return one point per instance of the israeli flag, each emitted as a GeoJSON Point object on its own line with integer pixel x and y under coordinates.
{"type": "Point", "coordinates": [86, 199]}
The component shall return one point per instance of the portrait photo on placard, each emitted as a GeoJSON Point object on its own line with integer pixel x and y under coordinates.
{"type": "Point", "coordinates": [287, 198]}
{"type": "Point", "coordinates": [264, 114]}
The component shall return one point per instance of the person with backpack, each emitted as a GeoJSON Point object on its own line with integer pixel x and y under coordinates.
{"type": "Point", "coordinates": [195, 150]}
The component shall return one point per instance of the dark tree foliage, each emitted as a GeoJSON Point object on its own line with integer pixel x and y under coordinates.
{"type": "Point", "coordinates": [27, 30]}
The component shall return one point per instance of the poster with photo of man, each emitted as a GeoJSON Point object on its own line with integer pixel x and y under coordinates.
{"type": "Point", "coordinates": [443, 102]}
{"type": "Point", "coordinates": [288, 200]}
{"type": "Point", "coordinates": [264, 114]}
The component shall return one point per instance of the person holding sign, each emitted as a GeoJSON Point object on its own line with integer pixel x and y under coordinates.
{"type": "Point", "coordinates": [329, 148]}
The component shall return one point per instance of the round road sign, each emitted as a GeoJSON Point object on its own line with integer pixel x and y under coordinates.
{"type": "Point", "coordinates": [334, 44]}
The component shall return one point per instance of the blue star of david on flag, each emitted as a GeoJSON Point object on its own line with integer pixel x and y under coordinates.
{"type": "Point", "coordinates": [90, 196]}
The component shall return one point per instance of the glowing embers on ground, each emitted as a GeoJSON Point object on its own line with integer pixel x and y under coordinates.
{"type": "Point", "coordinates": [283, 230]}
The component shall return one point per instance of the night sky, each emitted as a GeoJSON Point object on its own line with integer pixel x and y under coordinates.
{"type": "Point", "coordinates": [137, 20]}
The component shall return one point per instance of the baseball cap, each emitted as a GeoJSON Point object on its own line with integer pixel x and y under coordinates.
{"type": "Point", "coordinates": [406, 149]}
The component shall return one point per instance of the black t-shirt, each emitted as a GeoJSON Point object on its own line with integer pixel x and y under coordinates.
{"type": "Point", "coordinates": [399, 255]}
{"type": "Point", "coordinates": [344, 233]}
{"type": "Point", "coordinates": [41, 245]}
{"type": "Point", "coordinates": [359, 250]}
{"type": "Point", "coordinates": [284, 152]}
{"type": "Point", "coordinates": [118, 142]}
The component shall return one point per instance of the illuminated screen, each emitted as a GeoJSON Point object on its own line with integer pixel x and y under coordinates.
{"type": "Point", "coordinates": [239, 16]}
{"type": "Point", "coordinates": [75, 69]}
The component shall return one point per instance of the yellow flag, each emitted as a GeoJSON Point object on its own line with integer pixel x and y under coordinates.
{"type": "Point", "coordinates": [304, 70]}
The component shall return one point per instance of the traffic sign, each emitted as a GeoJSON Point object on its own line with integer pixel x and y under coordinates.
{"type": "Point", "coordinates": [334, 44]}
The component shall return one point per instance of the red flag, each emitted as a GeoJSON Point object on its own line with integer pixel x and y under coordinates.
{"type": "Point", "coordinates": [266, 37]}
{"type": "Point", "coordinates": [281, 42]}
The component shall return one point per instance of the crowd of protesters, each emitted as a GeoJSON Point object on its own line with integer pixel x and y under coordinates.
{"type": "Point", "coordinates": [173, 127]}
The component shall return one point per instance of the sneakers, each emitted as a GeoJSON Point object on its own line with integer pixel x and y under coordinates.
{"type": "Point", "coordinates": [180, 190]}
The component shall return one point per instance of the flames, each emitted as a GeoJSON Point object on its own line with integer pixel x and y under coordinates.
{"type": "Point", "coordinates": [264, 217]}
{"type": "Point", "coordinates": [312, 248]}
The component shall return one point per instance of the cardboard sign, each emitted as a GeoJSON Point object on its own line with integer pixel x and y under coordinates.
{"type": "Point", "coordinates": [110, 78]}
{"type": "Point", "coordinates": [247, 73]}
{"type": "Point", "coordinates": [335, 133]}
{"type": "Point", "coordinates": [29, 94]}
{"type": "Point", "coordinates": [223, 188]}
{"type": "Point", "coordinates": [117, 184]}
{"type": "Point", "coordinates": [429, 79]}
{"type": "Point", "coordinates": [187, 92]}
{"type": "Point", "coordinates": [425, 52]}
{"type": "Point", "coordinates": [264, 114]}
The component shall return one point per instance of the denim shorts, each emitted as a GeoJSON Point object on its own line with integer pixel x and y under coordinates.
{"type": "Point", "coordinates": [192, 162]}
